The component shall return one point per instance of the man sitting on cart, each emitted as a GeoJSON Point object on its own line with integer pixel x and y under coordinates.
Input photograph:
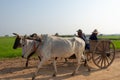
{"type": "Point", "coordinates": [92, 39]}
{"type": "Point", "coordinates": [82, 36]}
{"type": "Point", "coordinates": [93, 36]}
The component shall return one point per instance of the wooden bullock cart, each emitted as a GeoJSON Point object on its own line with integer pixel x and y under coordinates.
{"type": "Point", "coordinates": [102, 53]}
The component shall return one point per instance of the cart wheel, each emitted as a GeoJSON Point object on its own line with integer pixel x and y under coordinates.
{"type": "Point", "coordinates": [103, 54]}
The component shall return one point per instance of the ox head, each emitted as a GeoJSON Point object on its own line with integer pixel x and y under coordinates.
{"type": "Point", "coordinates": [29, 46]}
{"type": "Point", "coordinates": [17, 41]}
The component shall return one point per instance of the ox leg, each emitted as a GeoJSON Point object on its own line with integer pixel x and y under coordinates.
{"type": "Point", "coordinates": [84, 59]}
{"type": "Point", "coordinates": [26, 64]}
{"type": "Point", "coordinates": [85, 62]}
{"type": "Point", "coordinates": [39, 58]}
{"type": "Point", "coordinates": [27, 61]}
{"type": "Point", "coordinates": [39, 66]}
{"type": "Point", "coordinates": [55, 68]}
{"type": "Point", "coordinates": [78, 57]}
{"type": "Point", "coordinates": [28, 58]}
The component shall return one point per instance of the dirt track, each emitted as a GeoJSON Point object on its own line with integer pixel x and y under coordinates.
{"type": "Point", "coordinates": [13, 69]}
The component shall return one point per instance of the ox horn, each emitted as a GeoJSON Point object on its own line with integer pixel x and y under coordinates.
{"type": "Point", "coordinates": [16, 34]}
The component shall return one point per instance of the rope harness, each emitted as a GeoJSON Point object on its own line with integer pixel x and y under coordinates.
{"type": "Point", "coordinates": [35, 47]}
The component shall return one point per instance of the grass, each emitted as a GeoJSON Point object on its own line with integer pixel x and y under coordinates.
{"type": "Point", "coordinates": [6, 50]}
{"type": "Point", "coordinates": [116, 43]}
{"type": "Point", "coordinates": [115, 39]}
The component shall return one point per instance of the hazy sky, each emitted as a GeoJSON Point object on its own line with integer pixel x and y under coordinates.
{"type": "Point", "coordinates": [59, 16]}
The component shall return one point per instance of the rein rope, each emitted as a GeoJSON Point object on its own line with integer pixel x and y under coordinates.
{"type": "Point", "coordinates": [34, 49]}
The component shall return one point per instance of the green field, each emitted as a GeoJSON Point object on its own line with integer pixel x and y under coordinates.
{"type": "Point", "coordinates": [6, 50]}
{"type": "Point", "coordinates": [115, 39]}
{"type": "Point", "coordinates": [116, 43]}
{"type": "Point", "coordinates": [6, 44]}
{"type": "Point", "coordinates": [110, 37]}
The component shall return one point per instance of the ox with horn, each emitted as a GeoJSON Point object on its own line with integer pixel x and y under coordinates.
{"type": "Point", "coordinates": [17, 44]}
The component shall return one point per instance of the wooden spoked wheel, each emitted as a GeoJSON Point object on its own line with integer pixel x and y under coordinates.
{"type": "Point", "coordinates": [103, 54]}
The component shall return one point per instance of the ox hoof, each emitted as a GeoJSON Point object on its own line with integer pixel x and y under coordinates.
{"type": "Point", "coordinates": [33, 78]}
{"type": "Point", "coordinates": [54, 75]}
{"type": "Point", "coordinates": [73, 74]}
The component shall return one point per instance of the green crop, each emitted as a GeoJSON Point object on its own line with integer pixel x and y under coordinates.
{"type": "Point", "coordinates": [6, 48]}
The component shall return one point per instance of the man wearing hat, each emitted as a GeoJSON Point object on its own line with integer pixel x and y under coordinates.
{"type": "Point", "coordinates": [93, 36]}
{"type": "Point", "coordinates": [82, 36]}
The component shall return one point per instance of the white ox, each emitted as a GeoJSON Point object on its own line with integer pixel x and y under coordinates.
{"type": "Point", "coordinates": [50, 47]}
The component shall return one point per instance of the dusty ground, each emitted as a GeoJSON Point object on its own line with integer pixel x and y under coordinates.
{"type": "Point", "coordinates": [13, 69]}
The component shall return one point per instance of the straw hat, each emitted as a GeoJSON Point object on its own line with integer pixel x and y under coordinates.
{"type": "Point", "coordinates": [95, 31]}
